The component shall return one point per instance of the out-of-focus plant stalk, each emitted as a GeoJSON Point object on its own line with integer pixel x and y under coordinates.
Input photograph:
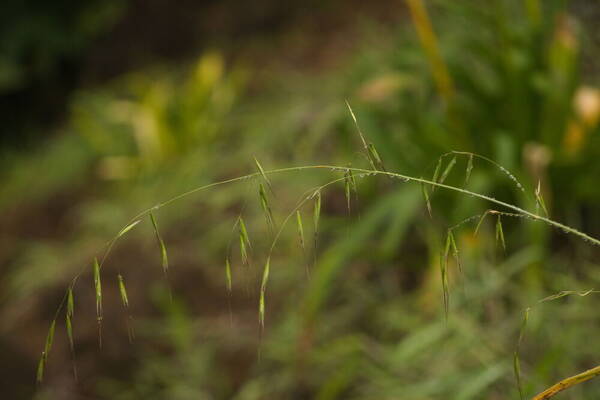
{"type": "Point", "coordinates": [428, 40]}
{"type": "Point", "coordinates": [568, 382]}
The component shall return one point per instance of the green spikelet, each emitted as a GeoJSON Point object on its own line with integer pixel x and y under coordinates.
{"type": "Point", "coordinates": [317, 214]}
{"type": "Point", "coordinates": [516, 362]}
{"type": "Point", "coordinates": [300, 229]}
{"type": "Point", "coordinates": [70, 302]}
{"type": "Point", "coordinates": [228, 274]}
{"type": "Point", "coordinates": [98, 289]}
{"type": "Point", "coordinates": [425, 193]}
{"type": "Point", "coordinates": [454, 249]}
{"type": "Point", "coordinates": [263, 174]}
{"type": "Point", "coordinates": [161, 244]}
{"type": "Point", "coordinates": [517, 372]}
{"type": "Point", "coordinates": [347, 189]}
{"type": "Point", "coordinates": [436, 173]}
{"type": "Point", "coordinates": [480, 221]}
{"type": "Point", "coordinates": [128, 228]}
{"type": "Point", "coordinates": [264, 202]}
{"type": "Point", "coordinates": [69, 327]}
{"type": "Point", "coordinates": [444, 277]}
{"type": "Point", "coordinates": [39, 376]}
{"type": "Point", "coordinates": [469, 168]}
{"type": "Point", "coordinates": [50, 338]}
{"type": "Point", "coordinates": [376, 159]}
{"type": "Point", "coordinates": [263, 289]}
{"type": "Point", "coordinates": [352, 179]}
{"type": "Point", "coordinates": [500, 233]}
{"type": "Point", "coordinates": [244, 241]}
{"type": "Point", "coordinates": [448, 170]}
{"type": "Point", "coordinates": [123, 291]}
{"type": "Point", "coordinates": [539, 199]}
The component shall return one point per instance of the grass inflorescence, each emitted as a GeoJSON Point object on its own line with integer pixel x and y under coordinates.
{"type": "Point", "coordinates": [438, 181]}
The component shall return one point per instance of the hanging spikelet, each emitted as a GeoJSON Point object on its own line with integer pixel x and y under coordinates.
{"type": "Point", "coordinates": [263, 174]}
{"type": "Point", "coordinates": [98, 290]}
{"type": "Point", "coordinates": [50, 338]}
{"type": "Point", "coordinates": [123, 291]}
{"type": "Point", "coordinates": [469, 168]}
{"type": "Point", "coordinates": [228, 275]}
{"type": "Point", "coordinates": [444, 277]}
{"type": "Point", "coordinates": [263, 289]}
{"type": "Point", "coordinates": [316, 216]}
{"type": "Point", "coordinates": [516, 361]}
{"type": "Point", "coordinates": [39, 376]}
{"type": "Point", "coordinates": [376, 159]}
{"type": "Point", "coordinates": [347, 189]}
{"type": "Point", "coordinates": [244, 241]}
{"type": "Point", "coordinates": [161, 244]}
{"type": "Point", "coordinates": [264, 202]}
{"type": "Point", "coordinates": [454, 249]}
{"type": "Point", "coordinates": [69, 327]}
{"type": "Point", "coordinates": [44, 357]}
{"type": "Point", "coordinates": [448, 170]}
{"type": "Point", "coordinates": [425, 193]}
{"type": "Point", "coordinates": [301, 238]}
{"type": "Point", "coordinates": [539, 200]}
{"type": "Point", "coordinates": [125, 302]}
{"type": "Point", "coordinates": [481, 221]}
{"type": "Point", "coordinates": [500, 233]}
{"type": "Point", "coordinates": [70, 302]}
{"type": "Point", "coordinates": [300, 229]}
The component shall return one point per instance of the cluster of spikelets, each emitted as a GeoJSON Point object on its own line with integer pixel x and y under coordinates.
{"type": "Point", "coordinates": [349, 174]}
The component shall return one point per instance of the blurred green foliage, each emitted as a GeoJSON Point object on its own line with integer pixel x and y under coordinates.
{"type": "Point", "coordinates": [369, 322]}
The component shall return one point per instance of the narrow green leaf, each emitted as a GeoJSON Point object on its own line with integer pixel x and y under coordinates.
{"type": "Point", "coordinates": [123, 291]}
{"type": "Point", "coordinates": [263, 174]}
{"type": "Point", "coordinates": [228, 274]}
{"type": "Point", "coordinates": [263, 289]}
{"type": "Point", "coordinates": [98, 287]}
{"type": "Point", "coordinates": [469, 168]}
{"type": "Point", "coordinates": [161, 243]}
{"type": "Point", "coordinates": [128, 228]}
{"type": "Point", "coordinates": [500, 233]}
{"type": "Point", "coordinates": [448, 169]}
